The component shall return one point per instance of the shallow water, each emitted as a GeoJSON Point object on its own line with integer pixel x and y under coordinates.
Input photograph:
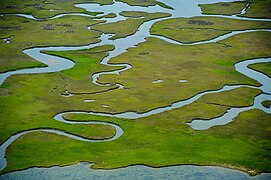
{"type": "Point", "coordinates": [139, 172]}
{"type": "Point", "coordinates": [157, 81]}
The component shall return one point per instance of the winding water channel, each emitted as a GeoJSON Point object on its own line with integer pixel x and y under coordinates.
{"type": "Point", "coordinates": [184, 8]}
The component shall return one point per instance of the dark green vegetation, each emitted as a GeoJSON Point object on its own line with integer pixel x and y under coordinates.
{"type": "Point", "coordinates": [129, 26]}
{"type": "Point", "coordinates": [262, 67]}
{"type": "Point", "coordinates": [266, 103]}
{"type": "Point", "coordinates": [202, 28]}
{"type": "Point", "coordinates": [258, 8]}
{"type": "Point", "coordinates": [110, 15]}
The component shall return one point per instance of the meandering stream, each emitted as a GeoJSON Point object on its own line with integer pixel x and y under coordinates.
{"type": "Point", "coordinates": [232, 113]}
{"type": "Point", "coordinates": [184, 8]}
{"type": "Point", "coordinates": [5, 145]}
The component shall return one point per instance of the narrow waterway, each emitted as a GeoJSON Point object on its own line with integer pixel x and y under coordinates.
{"type": "Point", "coordinates": [232, 113]}
{"type": "Point", "coordinates": [5, 145]}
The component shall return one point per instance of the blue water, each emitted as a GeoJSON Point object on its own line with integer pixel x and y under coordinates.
{"type": "Point", "coordinates": [83, 172]}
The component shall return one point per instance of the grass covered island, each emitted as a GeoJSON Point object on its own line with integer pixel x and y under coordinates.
{"type": "Point", "coordinates": [248, 8]}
